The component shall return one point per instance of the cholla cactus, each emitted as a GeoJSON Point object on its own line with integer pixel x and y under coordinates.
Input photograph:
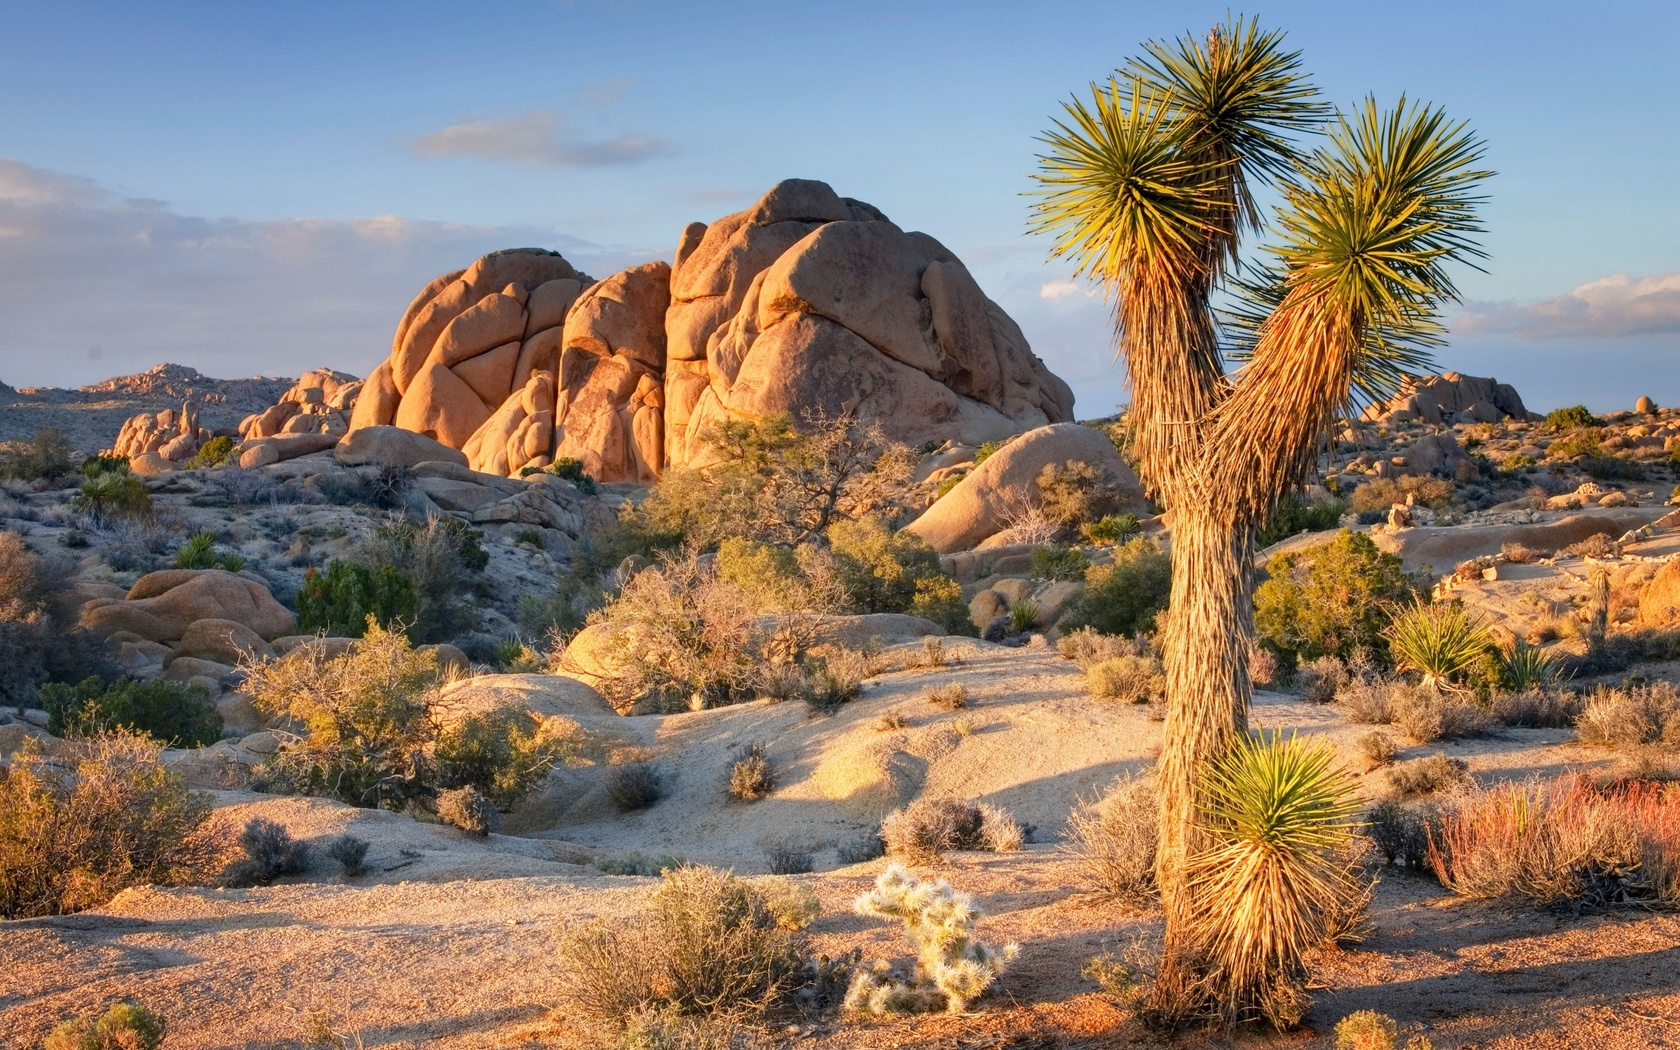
{"type": "Point", "coordinates": [951, 966]}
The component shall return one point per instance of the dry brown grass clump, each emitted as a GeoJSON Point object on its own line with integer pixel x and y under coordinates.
{"type": "Point", "coordinates": [1520, 554]}
{"type": "Point", "coordinates": [952, 696]}
{"type": "Point", "coordinates": [751, 777]}
{"type": "Point", "coordinates": [1127, 679]}
{"type": "Point", "coordinates": [470, 810]}
{"type": "Point", "coordinates": [1537, 709]}
{"type": "Point", "coordinates": [1565, 840]}
{"type": "Point", "coordinates": [707, 944]}
{"type": "Point", "coordinates": [922, 831]}
{"type": "Point", "coordinates": [1632, 716]}
{"type": "Point", "coordinates": [1086, 648]}
{"type": "Point", "coordinates": [1598, 545]}
{"type": "Point", "coordinates": [1319, 681]}
{"type": "Point", "coordinates": [1377, 749]}
{"type": "Point", "coordinates": [634, 785]}
{"type": "Point", "coordinates": [1426, 776]}
{"type": "Point", "coordinates": [1115, 836]}
{"type": "Point", "coordinates": [75, 832]}
{"type": "Point", "coordinates": [1423, 713]}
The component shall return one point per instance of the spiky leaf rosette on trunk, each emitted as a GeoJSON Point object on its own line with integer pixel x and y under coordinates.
{"type": "Point", "coordinates": [1279, 811]}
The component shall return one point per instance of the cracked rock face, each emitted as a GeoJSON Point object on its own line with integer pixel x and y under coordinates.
{"type": "Point", "coordinates": [806, 303]}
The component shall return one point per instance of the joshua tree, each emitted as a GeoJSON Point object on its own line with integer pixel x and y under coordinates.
{"type": "Point", "coordinates": [1147, 188]}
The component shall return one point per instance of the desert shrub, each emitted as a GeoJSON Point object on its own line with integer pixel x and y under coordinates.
{"type": "Point", "coordinates": [1124, 596]}
{"type": "Point", "coordinates": [114, 496]}
{"type": "Point", "coordinates": [1442, 642]}
{"type": "Point", "coordinates": [1570, 418]}
{"type": "Point", "coordinates": [37, 604]}
{"type": "Point", "coordinates": [1075, 492]}
{"type": "Point", "coordinates": [952, 696]}
{"type": "Point", "coordinates": [634, 785]}
{"type": "Point", "coordinates": [778, 484]}
{"type": "Point", "coordinates": [1520, 554]}
{"type": "Point", "coordinates": [269, 852]}
{"type": "Point", "coordinates": [788, 857]}
{"type": "Point", "coordinates": [515, 655]}
{"type": "Point", "coordinates": [1377, 748]}
{"type": "Point", "coordinates": [637, 863]}
{"type": "Point", "coordinates": [1426, 776]}
{"type": "Point", "coordinates": [952, 968]}
{"type": "Point", "coordinates": [1110, 529]}
{"type": "Point", "coordinates": [93, 466]}
{"type": "Point", "coordinates": [985, 451]}
{"type": "Point", "coordinates": [350, 852]}
{"type": "Point", "coordinates": [1279, 815]}
{"type": "Point", "coordinates": [1400, 832]}
{"type": "Point", "coordinates": [879, 567]}
{"type": "Point", "coordinates": [172, 713]}
{"type": "Point", "coordinates": [940, 599]}
{"type": "Point", "coordinates": [1612, 468]}
{"type": "Point", "coordinates": [1622, 650]}
{"type": "Point", "coordinates": [47, 457]}
{"type": "Point", "coordinates": [1366, 1030]}
{"type": "Point", "coordinates": [792, 906]}
{"type": "Point", "coordinates": [1127, 679]}
{"type": "Point", "coordinates": [1562, 841]}
{"type": "Point", "coordinates": [1000, 832]}
{"type": "Point", "coordinates": [926, 828]}
{"type": "Point", "coordinates": [751, 778]}
{"type": "Point", "coordinates": [933, 656]}
{"type": "Point", "coordinates": [707, 943]}
{"type": "Point", "coordinates": [212, 453]}
{"type": "Point", "coordinates": [1330, 599]}
{"type": "Point", "coordinates": [571, 470]}
{"type": "Point", "coordinates": [439, 560]}
{"type": "Point", "coordinates": [1087, 647]}
{"type": "Point", "coordinates": [1059, 562]}
{"type": "Point", "coordinates": [504, 754]}
{"type": "Point", "coordinates": [1631, 716]}
{"type": "Point", "coordinates": [123, 1026]}
{"type": "Point", "coordinates": [1537, 709]}
{"type": "Point", "coordinates": [863, 848]}
{"type": "Point", "coordinates": [1583, 442]}
{"type": "Point", "coordinates": [1293, 516]}
{"type": "Point", "coordinates": [344, 599]}
{"type": "Point", "coordinates": [1377, 495]}
{"type": "Point", "coordinates": [834, 680]}
{"type": "Point", "coordinates": [24, 639]}
{"type": "Point", "coordinates": [1598, 545]}
{"type": "Point", "coordinates": [1264, 667]}
{"type": "Point", "coordinates": [77, 830]}
{"type": "Point", "coordinates": [1319, 681]}
{"type": "Point", "coordinates": [468, 809]}
{"type": "Point", "coordinates": [1426, 715]}
{"type": "Point", "coordinates": [890, 722]}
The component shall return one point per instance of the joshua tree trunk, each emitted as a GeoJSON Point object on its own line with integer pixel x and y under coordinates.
{"type": "Point", "coordinates": [1209, 623]}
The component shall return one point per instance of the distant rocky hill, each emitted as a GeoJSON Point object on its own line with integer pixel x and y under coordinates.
{"type": "Point", "coordinates": [92, 416]}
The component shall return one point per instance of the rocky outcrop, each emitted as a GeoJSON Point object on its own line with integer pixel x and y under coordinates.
{"type": "Point", "coordinates": [811, 302]}
{"type": "Point", "coordinates": [321, 402]}
{"type": "Point", "coordinates": [163, 606]}
{"type": "Point", "coordinates": [385, 446]}
{"type": "Point", "coordinates": [1450, 398]}
{"type": "Point", "coordinates": [1659, 600]}
{"type": "Point", "coordinates": [807, 303]}
{"type": "Point", "coordinates": [174, 435]}
{"type": "Point", "coordinates": [1005, 485]}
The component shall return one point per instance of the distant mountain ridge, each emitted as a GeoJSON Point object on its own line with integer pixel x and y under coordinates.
{"type": "Point", "coordinates": [92, 415]}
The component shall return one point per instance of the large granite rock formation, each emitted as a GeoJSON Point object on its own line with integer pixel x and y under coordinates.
{"type": "Point", "coordinates": [806, 303]}
{"type": "Point", "coordinates": [1451, 398]}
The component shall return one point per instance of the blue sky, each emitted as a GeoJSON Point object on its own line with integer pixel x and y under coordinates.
{"type": "Point", "coordinates": [260, 188]}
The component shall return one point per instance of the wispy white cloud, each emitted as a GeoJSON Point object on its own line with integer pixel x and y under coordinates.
{"type": "Point", "coordinates": [1067, 288]}
{"type": "Point", "coordinates": [1619, 305]}
{"type": "Point", "coordinates": [82, 268]}
{"type": "Point", "coordinates": [537, 139]}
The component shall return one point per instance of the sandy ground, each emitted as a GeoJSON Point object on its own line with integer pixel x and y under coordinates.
{"type": "Point", "coordinates": [451, 942]}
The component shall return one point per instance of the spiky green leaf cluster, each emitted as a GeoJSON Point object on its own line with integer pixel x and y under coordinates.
{"type": "Point", "coordinates": [1443, 642]}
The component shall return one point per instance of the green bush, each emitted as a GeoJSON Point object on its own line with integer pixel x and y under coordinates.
{"type": "Point", "coordinates": [199, 552]}
{"type": "Point", "coordinates": [212, 453]}
{"type": "Point", "coordinates": [348, 595]}
{"type": "Point", "coordinates": [879, 566]}
{"type": "Point", "coordinates": [93, 466]}
{"type": "Point", "coordinates": [372, 736]}
{"type": "Point", "coordinates": [1379, 494]}
{"type": "Point", "coordinates": [1110, 529]}
{"type": "Point", "coordinates": [1329, 600]}
{"type": "Point", "coordinates": [940, 599]}
{"type": "Point", "coordinates": [1583, 442]}
{"type": "Point", "coordinates": [124, 1026]}
{"type": "Point", "coordinates": [1125, 596]}
{"type": "Point", "coordinates": [47, 457]}
{"type": "Point", "coordinates": [78, 829]}
{"type": "Point", "coordinates": [117, 495]}
{"type": "Point", "coordinates": [172, 713]}
{"type": "Point", "coordinates": [1570, 418]}
{"type": "Point", "coordinates": [1075, 492]}
{"type": "Point", "coordinates": [1293, 516]}
{"type": "Point", "coordinates": [572, 470]}
{"type": "Point", "coordinates": [1059, 562]}
{"type": "Point", "coordinates": [439, 560]}
{"type": "Point", "coordinates": [984, 452]}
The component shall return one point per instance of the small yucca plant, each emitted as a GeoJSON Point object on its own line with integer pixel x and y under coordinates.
{"type": "Point", "coordinates": [1279, 813]}
{"type": "Point", "coordinates": [1527, 667]}
{"type": "Point", "coordinates": [1442, 642]}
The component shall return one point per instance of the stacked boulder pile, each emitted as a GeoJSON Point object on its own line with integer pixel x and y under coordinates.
{"type": "Point", "coordinates": [807, 303]}
{"type": "Point", "coordinates": [1450, 398]}
{"type": "Point", "coordinates": [310, 417]}
{"type": "Point", "coordinates": [170, 435]}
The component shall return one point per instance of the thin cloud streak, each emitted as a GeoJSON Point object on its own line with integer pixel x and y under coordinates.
{"type": "Point", "coordinates": [1610, 307]}
{"type": "Point", "coordinates": [537, 139]}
